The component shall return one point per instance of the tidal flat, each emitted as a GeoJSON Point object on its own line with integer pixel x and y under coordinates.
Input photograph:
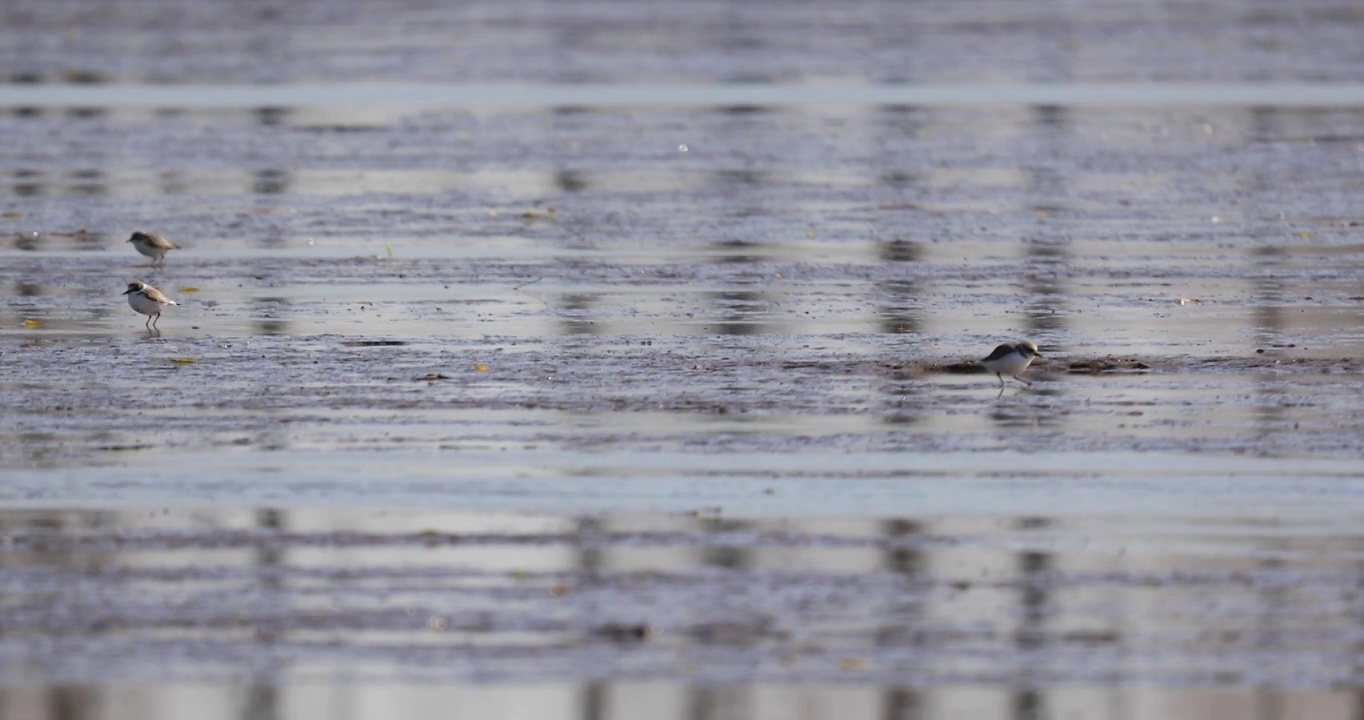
{"type": "Point", "coordinates": [626, 401]}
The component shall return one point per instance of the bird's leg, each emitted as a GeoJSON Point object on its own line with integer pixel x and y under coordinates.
{"type": "Point", "coordinates": [1025, 382]}
{"type": "Point", "coordinates": [1001, 379]}
{"type": "Point", "coordinates": [155, 319]}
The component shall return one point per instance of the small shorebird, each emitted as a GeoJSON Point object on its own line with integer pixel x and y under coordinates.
{"type": "Point", "coordinates": [147, 300]}
{"type": "Point", "coordinates": [152, 245]}
{"type": "Point", "coordinates": [1011, 359]}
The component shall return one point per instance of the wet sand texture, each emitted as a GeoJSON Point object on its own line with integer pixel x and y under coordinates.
{"type": "Point", "coordinates": [512, 370]}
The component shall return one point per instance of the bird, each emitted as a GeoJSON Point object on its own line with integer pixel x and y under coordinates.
{"type": "Point", "coordinates": [147, 300]}
{"type": "Point", "coordinates": [1011, 359]}
{"type": "Point", "coordinates": [152, 245]}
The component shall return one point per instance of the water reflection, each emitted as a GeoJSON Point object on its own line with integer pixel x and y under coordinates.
{"type": "Point", "coordinates": [270, 182]}
{"type": "Point", "coordinates": [29, 290]}
{"type": "Point", "coordinates": [1031, 636]}
{"type": "Point", "coordinates": [903, 311]}
{"type": "Point", "coordinates": [1049, 254]}
{"type": "Point", "coordinates": [1019, 407]}
{"type": "Point", "coordinates": [740, 311]}
{"type": "Point", "coordinates": [740, 179]}
{"type": "Point", "coordinates": [595, 701]}
{"type": "Point", "coordinates": [266, 312]}
{"type": "Point", "coordinates": [88, 183]}
{"type": "Point", "coordinates": [904, 557]}
{"type": "Point", "coordinates": [27, 183]}
{"type": "Point", "coordinates": [739, 111]}
{"type": "Point", "coordinates": [263, 695]}
{"type": "Point", "coordinates": [731, 624]}
{"type": "Point", "coordinates": [273, 116]}
{"type": "Point", "coordinates": [575, 314]}
{"type": "Point", "coordinates": [95, 182]}
{"type": "Point", "coordinates": [172, 181]}
{"type": "Point", "coordinates": [739, 251]}
{"type": "Point", "coordinates": [1048, 295]}
{"type": "Point", "coordinates": [572, 181]}
{"type": "Point", "coordinates": [906, 615]}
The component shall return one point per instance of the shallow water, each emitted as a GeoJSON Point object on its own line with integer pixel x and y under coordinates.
{"type": "Point", "coordinates": [652, 392]}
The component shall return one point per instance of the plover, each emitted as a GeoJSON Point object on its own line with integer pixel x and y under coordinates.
{"type": "Point", "coordinates": [147, 300]}
{"type": "Point", "coordinates": [1011, 359]}
{"type": "Point", "coordinates": [152, 245]}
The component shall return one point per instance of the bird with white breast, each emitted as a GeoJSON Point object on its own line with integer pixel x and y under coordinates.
{"type": "Point", "coordinates": [147, 300]}
{"type": "Point", "coordinates": [152, 245]}
{"type": "Point", "coordinates": [1011, 359]}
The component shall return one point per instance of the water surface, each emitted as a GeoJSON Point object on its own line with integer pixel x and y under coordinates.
{"type": "Point", "coordinates": [599, 359]}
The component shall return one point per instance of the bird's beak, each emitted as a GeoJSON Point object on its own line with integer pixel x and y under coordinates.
{"type": "Point", "coordinates": [125, 292]}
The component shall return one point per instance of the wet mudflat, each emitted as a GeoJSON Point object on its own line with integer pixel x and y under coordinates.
{"type": "Point", "coordinates": [594, 410]}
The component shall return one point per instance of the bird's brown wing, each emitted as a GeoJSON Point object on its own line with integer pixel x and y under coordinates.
{"type": "Point", "coordinates": [158, 241]}
{"type": "Point", "coordinates": [155, 295]}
